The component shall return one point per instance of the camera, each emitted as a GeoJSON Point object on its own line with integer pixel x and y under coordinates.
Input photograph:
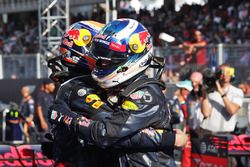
{"type": "Point", "coordinates": [210, 77]}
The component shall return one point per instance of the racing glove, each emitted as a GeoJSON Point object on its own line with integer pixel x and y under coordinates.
{"type": "Point", "coordinates": [60, 114]}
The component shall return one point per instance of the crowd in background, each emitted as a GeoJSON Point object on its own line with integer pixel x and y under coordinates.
{"type": "Point", "coordinates": [226, 22]}
{"type": "Point", "coordinates": [219, 22]}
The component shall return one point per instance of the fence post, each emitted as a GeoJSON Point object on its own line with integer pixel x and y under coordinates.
{"type": "Point", "coordinates": [1, 66]}
{"type": "Point", "coordinates": [38, 66]}
{"type": "Point", "coordinates": [220, 54]}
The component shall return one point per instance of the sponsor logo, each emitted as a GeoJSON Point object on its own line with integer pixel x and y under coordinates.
{"type": "Point", "coordinates": [129, 105]}
{"type": "Point", "coordinates": [84, 122]}
{"type": "Point", "coordinates": [72, 34]}
{"type": "Point", "coordinates": [68, 43]}
{"type": "Point", "coordinates": [113, 99]}
{"type": "Point", "coordinates": [117, 47]}
{"type": "Point", "coordinates": [92, 97]}
{"type": "Point", "coordinates": [53, 115]}
{"type": "Point", "coordinates": [81, 37]}
{"type": "Point", "coordinates": [81, 92]}
{"type": "Point", "coordinates": [203, 147]}
{"type": "Point", "coordinates": [102, 41]}
{"type": "Point", "coordinates": [23, 155]}
{"type": "Point", "coordinates": [147, 97]}
{"type": "Point", "coordinates": [100, 36]}
{"type": "Point", "coordinates": [67, 120]}
{"type": "Point", "coordinates": [137, 95]}
{"type": "Point", "coordinates": [143, 37]}
{"type": "Point", "coordinates": [209, 161]}
{"type": "Point", "coordinates": [97, 104]}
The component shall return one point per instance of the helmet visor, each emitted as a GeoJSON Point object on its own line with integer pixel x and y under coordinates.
{"type": "Point", "coordinates": [107, 58]}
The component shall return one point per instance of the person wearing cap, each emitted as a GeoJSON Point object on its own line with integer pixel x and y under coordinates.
{"type": "Point", "coordinates": [181, 105]}
{"type": "Point", "coordinates": [184, 87]}
{"type": "Point", "coordinates": [44, 99]}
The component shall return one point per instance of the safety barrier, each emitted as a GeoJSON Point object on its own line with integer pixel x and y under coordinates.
{"type": "Point", "coordinates": [218, 150]}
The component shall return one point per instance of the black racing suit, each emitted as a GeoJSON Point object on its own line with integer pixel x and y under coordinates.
{"type": "Point", "coordinates": [66, 145]}
{"type": "Point", "coordinates": [144, 108]}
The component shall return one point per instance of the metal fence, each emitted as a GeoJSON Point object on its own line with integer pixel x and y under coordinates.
{"type": "Point", "coordinates": [32, 66]}
{"type": "Point", "coordinates": [237, 56]}
{"type": "Point", "coordinates": [23, 66]}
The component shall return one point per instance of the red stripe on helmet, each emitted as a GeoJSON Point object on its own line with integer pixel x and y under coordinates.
{"type": "Point", "coordinates": [117, 47]}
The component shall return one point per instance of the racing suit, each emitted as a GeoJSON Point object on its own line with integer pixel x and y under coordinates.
{"type": "Point", "coordinates": [144, 107]}
{"type": "Point", "coordinates": [66, 146]}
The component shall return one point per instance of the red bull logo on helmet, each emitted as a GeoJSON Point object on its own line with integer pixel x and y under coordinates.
{"type": "Point", "coordinates": [137, 42]}
{"type": "Point", "coordinates": [80, 37]}
{"type": "Point", "coordinates": [72, 34]}
{"type": "Point", "coordinates": [143, 37]}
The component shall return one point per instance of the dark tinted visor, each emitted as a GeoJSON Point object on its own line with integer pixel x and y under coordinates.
{"type": "Point", "coordinates": [107, 58]}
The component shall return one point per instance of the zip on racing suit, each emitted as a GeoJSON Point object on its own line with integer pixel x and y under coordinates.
{"type": "Point", "coordinates": [144, 107]}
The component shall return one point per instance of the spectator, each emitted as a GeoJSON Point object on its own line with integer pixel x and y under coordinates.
{"type": "Point", "coordinates": [27, 109]}
{"type": "Point", "coordinates": [195, 51]}
{"type": "Point", "coordinates": [245, 87]}
{"type": "Point", "coordinates": [194, 102]}
{"type": "Point", "coordinates": [180, 108]}
{"type": "Point", "coordinates": [194, 116]}
{"type": "Point", "coordinates": [44, 99]}
{"type": "Point", "coordinates": [184, 87]}
{"type": "Point", "coordinates": [219, 108]}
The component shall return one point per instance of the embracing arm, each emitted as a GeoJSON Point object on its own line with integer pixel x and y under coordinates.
{"type": "Point", "coordinates": [130, 118]}
{"type": "Point", "coordinates": [149, 139]}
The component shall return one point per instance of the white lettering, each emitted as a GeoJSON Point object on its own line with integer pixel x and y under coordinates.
{"type": "Point", "coordinates": [60, 117]}
{"type": "Point", "coordinates": [200, 163]}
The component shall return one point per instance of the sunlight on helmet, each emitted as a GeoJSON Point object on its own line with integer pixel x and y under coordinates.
{"type": "Point", "coordinates": [75, 45]}
{"type": "Point", "coordinates": [74, 50]}
{"type": "Point", "coordinates": [123, 49]}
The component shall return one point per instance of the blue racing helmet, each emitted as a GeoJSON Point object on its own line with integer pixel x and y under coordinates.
{"type": "Point", "coordinates": [123, 49]}
{"type": "Point", "coordinates": [75, 42]}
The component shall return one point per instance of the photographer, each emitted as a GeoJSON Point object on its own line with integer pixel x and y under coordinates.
{"type": "Point", "coordinates": [221, 103]}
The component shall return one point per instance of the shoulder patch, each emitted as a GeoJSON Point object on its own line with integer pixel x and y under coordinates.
{"type": "Point", "coordinates": [137, 95]}
{"type": "Point", "coordinates": [81, 92]}
{"type": "Point", "coordinates": [129, 105]}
